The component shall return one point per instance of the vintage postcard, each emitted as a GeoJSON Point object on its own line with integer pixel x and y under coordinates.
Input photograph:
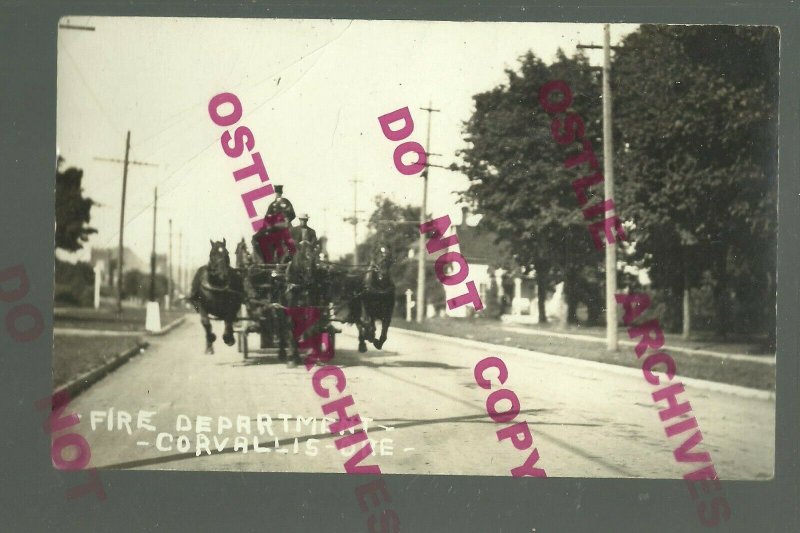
{"type": "Point", "coordinates": [409, 247]}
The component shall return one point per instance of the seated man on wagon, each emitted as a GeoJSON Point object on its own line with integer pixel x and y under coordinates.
{"type": "Point", "coordinates": [304, 232]}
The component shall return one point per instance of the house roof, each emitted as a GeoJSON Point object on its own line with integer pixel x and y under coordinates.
{"type": "Point", "coordinates": [131, 260]}
{"type": "Point", "coordinates": [478, 246]}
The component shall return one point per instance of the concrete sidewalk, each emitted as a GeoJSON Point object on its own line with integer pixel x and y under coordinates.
{"type": "Point", "coordinates": [114, 333]}
{"type": "Point", "coordinates": [764, 359]}
{"type": "Point", "coordinates": [559, 360]}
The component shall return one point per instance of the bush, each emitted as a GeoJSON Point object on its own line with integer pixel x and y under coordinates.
{"type": "Point", "coordinates": [64, 295]}
{"type": "Point", "coordinates": [137, 285]}
{"type": "Point", "coordinates": [74, 284]}
{"type": "Point", "coordinates": [108, 292]}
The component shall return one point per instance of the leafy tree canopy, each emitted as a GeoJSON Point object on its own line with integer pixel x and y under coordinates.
{"type": "Point", "coordinates": [695, 112]}
{"type": "Point", "coordinates": [396, 228]}
{"type": "Point", "coordinates": [516, 171]}
{"type": "Point", "coordinates": [72, 210]}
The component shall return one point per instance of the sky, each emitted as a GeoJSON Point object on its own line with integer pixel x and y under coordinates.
{"type": "Point", "coordinates": [311, 92]}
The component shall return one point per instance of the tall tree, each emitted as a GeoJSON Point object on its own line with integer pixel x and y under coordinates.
{"type": "Point", "coordinates": [517, 176]}
{"type": "Point", "coordinates": [393, 226]}
{"type": "Point", "coordinates": [695, 116]}
{"type": "Point", "coordinates": [72, 210]}
{"type": "Point", "coordinates": [396, 227]}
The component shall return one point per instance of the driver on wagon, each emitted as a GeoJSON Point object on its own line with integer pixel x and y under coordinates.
{"type": "Point", "coordinates": [280, 205]}
{"type": "Point", "coordinates": [278, 221]}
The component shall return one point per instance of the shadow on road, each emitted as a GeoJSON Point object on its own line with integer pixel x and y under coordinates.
{"type": "Point", "coordinates": [347, 358]}
{"type": "Point", "coordinates": [343, 358]}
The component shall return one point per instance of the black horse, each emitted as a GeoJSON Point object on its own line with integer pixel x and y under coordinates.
{"type": "Point", "coordinates": [361, 295]}
{"type": "Point", "coordinates": [344, 287]}
{"type": "Point", "coordinates": [305, 288]}
{"type": "Point", "coordinates": [217, 290]}
{"type": "Point", "coordinates": [378, 299]}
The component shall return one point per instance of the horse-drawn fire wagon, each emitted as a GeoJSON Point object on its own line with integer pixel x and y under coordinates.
{"type": "Point", "coordinates": [259, 297]}
{"type": "Point", "coordinates": [272, 289]}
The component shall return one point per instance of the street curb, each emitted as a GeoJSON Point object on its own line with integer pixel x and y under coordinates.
{"type": "Point", "coordinates": [169, 327]}
{"type": "Point", "coordinates": [711, 386]}
{"type": "Point", "coordinates": [83, 382]}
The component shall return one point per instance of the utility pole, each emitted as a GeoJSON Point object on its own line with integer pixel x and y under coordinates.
{"type": "Point", "coordinates": [121, 253]}
{"type": "Point", "coordinates": [608, 171]}
{"type": "Point", "coordinates": [169, 277]}
{"type": "Point", "coordinates": [125, 162]}
{"type": "Point", "coordinates": [153, 252]}
{"type": "Point", "coordinates": [180, 262]}
{"type": "Point", "coordinates": [153, 316]}
{"type": "Point", "coordinates": [354, 219]}
{"type": "Point", "coordinates": [422, 213]}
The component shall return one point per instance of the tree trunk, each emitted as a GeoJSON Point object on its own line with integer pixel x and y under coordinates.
{"type": "Point", "coordinates": [687, 314]}
{"type": "Point", "coordinates": [594, 309]}
{"type": "Point", "coordinates": [571, 296]}
{"type": "Point", "coordinates": [541, 294]}
{"type": "Point", "coordinates": [572, 311]}
{"type": "Point", "coordinates": [770, 310]}
{"type": "Point", "coordinates": [721, 294]}
{"type": "Point", "coordinates": [687, 310]}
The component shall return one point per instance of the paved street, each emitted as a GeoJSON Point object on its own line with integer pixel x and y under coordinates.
{"type": "Point", "coordinates": [427, 414]}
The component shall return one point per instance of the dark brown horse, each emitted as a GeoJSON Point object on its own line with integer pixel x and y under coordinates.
{"type": "Point", "coordinates": [217, 290]}
{"type": "Point", "coordinates": [304, 289]}
{"type": "Point", "coordinates": [378, 299]}
{"type": "Point", "coordinates": [361, 295]}
{"type": "Point", "coordinates": [343, 287]}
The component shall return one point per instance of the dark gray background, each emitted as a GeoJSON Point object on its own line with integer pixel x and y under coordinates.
{"type": "Point", "coordinates": [32, 492]}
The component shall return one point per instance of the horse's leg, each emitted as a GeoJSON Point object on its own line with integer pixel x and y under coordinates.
{"type": "Point", "coordinates": [227, 336]}
{"type": "Point", "coordinates": [210, 337]}
{"type": "Point", "coordinates": [294, 358]}
{"type": "Point", "coordinates": [386, 319]}
{"type": "Point", "coordinates": [355, 316]}
{"type": "Point", "coordinates": [362, 345]}
{"type": "Point", "coordinates": [266, 326]}
{"type": "Point", "coordinates": [294, 343]}
{"type": "Point", "coordinates": [282, 321]}
{"type": "Point", "coordinates": [369, 323]}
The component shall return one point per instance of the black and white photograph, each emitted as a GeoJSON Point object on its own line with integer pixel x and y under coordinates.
{"type": "Point", "coordinates": [417, 247]}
